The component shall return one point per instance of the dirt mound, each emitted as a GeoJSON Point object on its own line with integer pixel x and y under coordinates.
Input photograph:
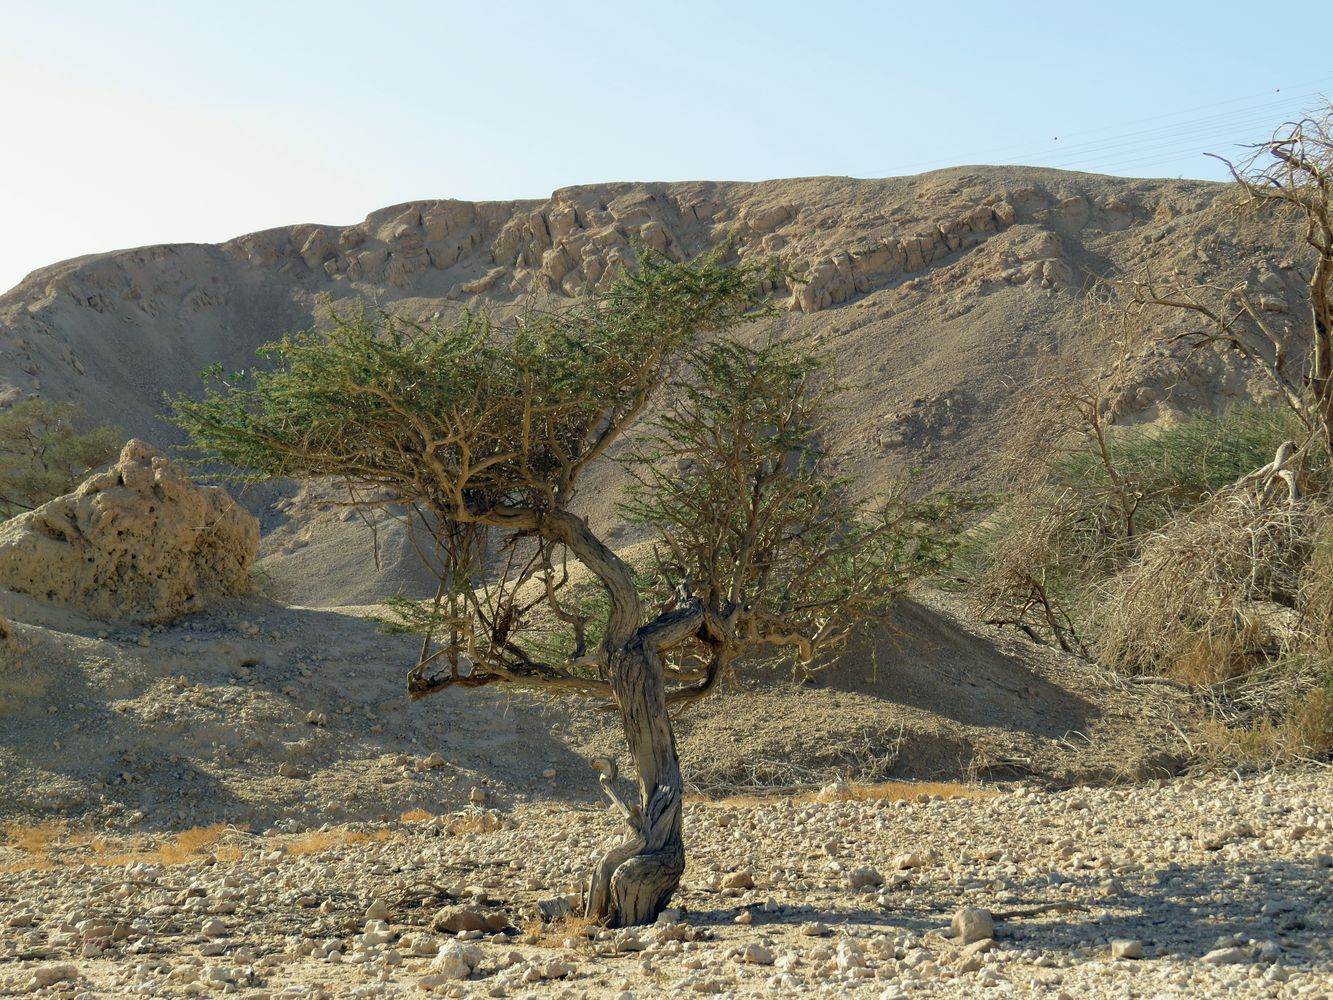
{"type": "Point", "coordinates": [257, 713]}
{"type": "Point", "coordinates": [138, 542]}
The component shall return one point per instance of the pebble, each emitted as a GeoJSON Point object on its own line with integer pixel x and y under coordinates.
{"type": "Point", "coordinates": [1126, 948]}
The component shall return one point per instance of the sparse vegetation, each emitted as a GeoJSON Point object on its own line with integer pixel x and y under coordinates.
{"type": "Point", "coordinates": [43, 454]}
{"type": "Point", "coordinates": [485, 431]}
{"type": "Point", "coordinates": [1040, 562]}
{"type": "Point", "coordinates": [1199, 552]}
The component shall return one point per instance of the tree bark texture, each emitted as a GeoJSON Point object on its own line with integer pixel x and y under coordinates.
{"type": "Point", "coordinates": [634, 880]}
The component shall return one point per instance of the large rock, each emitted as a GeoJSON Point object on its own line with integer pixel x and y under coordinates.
{"type": "Point", "coordinates": [138, 542]}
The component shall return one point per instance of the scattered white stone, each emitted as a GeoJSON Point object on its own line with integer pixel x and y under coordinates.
{"type": "Point", "coordinates": [972, 924]}
{"type": "Point", "coordinates": [456, 960]}
{"type": "Point", "coordinates": [865, 877]}
{"type": "Point", "coordinates": [1226, 956]}
{"type": "Point", "coordinates": [1126, 948]}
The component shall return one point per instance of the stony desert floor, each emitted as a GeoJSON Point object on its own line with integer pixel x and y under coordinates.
{"type": "Point", "coordinates": [1187, 887]}
{"type": "Point", "coordinates": [243, 803]}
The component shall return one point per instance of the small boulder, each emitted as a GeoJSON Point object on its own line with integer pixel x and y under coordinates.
{"type": "Point", "coordinates": [972, 923]}
{"type": "Point", "coordinates": [456, 919]}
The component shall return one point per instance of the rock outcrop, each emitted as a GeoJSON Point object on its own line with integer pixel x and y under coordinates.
{"type": "Point", "coordinates": [139, 542]}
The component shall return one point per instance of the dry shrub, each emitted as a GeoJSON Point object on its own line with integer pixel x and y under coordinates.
{"type": "Point", "coordinates": [1317, 592]}
{"type": "Point", "coordinates": [1213, 659]}
{"type": "Point", "coordinates": [1222, 582]}
{"type": "Point", "coordinates": [1303, 732]}
{"type": "Point", "coordinates": [416, 816]}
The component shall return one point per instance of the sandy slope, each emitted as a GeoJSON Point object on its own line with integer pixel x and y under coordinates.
{"type": "Point", "coordinates": [191, 723]}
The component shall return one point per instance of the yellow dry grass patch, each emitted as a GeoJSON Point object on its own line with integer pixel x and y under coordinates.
{"type": "Point", "coordinates": [36, 842]}
{"type": "Point", "coordinates": [882, 791]}
{"type": "Point", "coordinates": [416, 816]}
{"type": "Point", "coordinates": [555, 933]}
{"type": "Point", "coordinates": [320, 841]}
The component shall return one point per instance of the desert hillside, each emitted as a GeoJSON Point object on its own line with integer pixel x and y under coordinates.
{"type": "Point", "coordinates": [213, 779]}
{"type": "Point", "coordinates": [940, 296]}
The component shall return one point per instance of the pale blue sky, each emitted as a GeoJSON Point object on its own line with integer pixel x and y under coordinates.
{"type": "Point", "coordinates": [135, 122]}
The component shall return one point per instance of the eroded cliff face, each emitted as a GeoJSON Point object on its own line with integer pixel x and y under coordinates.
{"type": "Point", "coordinates": [941, 297]}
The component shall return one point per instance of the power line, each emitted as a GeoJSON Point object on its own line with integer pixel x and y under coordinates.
{"type": "Point", "coordinates": [1181, 133]}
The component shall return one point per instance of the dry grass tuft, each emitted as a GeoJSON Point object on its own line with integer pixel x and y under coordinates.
{"type": "Point", "coordinates": [554, 933]}
{"type": "Point", "coordinates": [478, 822]}
{"type": "Point", "coordinates": [187, 846]}
{"type": "Point", "coordinates": [38, 840]}
{"type": "Point", "coordinates": [1303, 732]}
{"type": "Point", "coordinates": [878, 791]}
{"type": "Point", "coordinates": [319, 841]}
{"type": "Point", "coordinates": [34, 838]}
{"type": "Point", "coordinates": [33, 842]}
{"type": "Point", "coordinates": [416, 816]}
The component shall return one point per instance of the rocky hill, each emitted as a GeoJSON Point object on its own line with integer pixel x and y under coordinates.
{"type": "Point", "coordinates": [941, 296]}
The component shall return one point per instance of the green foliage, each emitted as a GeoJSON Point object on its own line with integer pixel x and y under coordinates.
{"type": "Point", "coordinates": [474, 412]}
{"type": "Point", "coordinates": [43, 455]}
{"type": "Point", "coordinates": [1170, 471]}
{"type": "Point", "coordinates": [1038, 563]}
{"type": "Point", "coordinates": [735, 477]}
{"type": "Point", "coordinates": [484, 430]}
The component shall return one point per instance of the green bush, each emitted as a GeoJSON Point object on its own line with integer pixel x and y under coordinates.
{"type": "Point", "coordinates": [43, 455]}
{"type": "Point", "coordinates": [1040, 561]}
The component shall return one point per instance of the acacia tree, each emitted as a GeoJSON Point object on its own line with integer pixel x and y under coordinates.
{"type": "Point", "coordinates": [485, 430]}
{"type": "Point", "coordinates": [43, 454]}
{"type": "Point", "coordinates": [1292, 173]}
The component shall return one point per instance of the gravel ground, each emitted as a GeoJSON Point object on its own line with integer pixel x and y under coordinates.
{"type": "Point", "coordinates": [1189, 887]}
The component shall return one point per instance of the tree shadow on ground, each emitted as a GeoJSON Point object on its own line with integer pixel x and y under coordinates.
{"type": "Point", "coordinates": [1180, 910]}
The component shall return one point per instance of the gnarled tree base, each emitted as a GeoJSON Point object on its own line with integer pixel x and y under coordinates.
{"type": "Point", "coordinates": [632, 886]}
{"type": "Point", "coordinates": [634, 881]}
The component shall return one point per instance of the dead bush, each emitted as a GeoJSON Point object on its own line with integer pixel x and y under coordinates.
{"type": "Point", "coordinates": [1223, 583]}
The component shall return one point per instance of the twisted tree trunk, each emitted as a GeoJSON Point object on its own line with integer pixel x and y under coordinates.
{"type": "Point", "coordinates": [634, 880]}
